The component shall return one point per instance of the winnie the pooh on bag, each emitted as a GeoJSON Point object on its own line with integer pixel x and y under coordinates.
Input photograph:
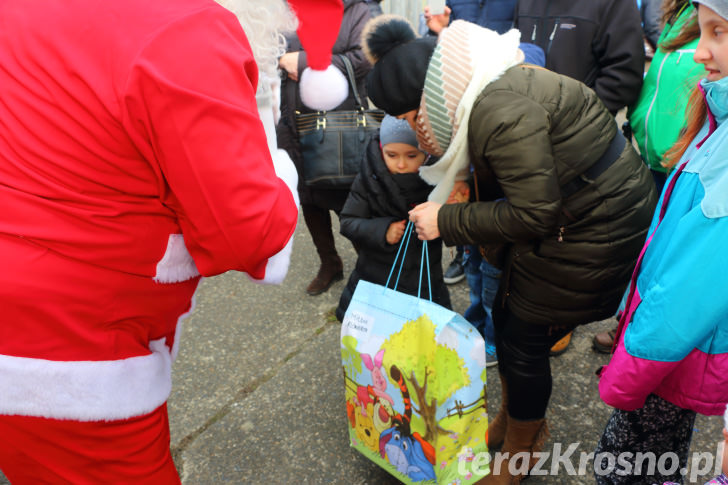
{"type": "Point", "coordinates": [417, 408]}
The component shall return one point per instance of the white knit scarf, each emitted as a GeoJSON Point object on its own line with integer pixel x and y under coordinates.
{"type": "Point", "coordinates": [488, 55]}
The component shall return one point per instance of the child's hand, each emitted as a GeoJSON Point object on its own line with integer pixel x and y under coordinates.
{"type": "Point", "coordinates": [460, 193]}
{"type": "Point", "coordinates": [395, 231]}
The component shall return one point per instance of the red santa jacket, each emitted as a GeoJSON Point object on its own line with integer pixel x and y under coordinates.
{"type": "Point", "coordinates": [132, 160]}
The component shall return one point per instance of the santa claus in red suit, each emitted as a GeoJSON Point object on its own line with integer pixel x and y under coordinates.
{"type": "Point", "coordinates": [137, 153]}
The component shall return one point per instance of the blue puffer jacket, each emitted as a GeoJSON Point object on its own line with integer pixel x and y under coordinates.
{"type": "Point", "coordinates": [492, 14]}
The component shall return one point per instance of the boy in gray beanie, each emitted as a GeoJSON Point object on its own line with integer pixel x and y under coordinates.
{"type": "Point", "coordinates": [374, 216]}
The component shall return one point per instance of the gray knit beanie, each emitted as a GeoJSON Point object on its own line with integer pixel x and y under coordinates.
{"type": "Point", "coordinates": [718, 6]}
{"type": "Point", "coordinates": [394, 130]}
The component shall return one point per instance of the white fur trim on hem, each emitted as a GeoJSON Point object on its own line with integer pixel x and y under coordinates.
{"type": "Point", "coordinates": [178, 330]}
{"type": "Point", "coordinates": [86, 390]}
{"type": "Point", "coordinates": [90, 390]}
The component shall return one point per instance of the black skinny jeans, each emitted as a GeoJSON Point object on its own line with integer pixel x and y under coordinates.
{"type": "Point", "coordinates": [523, 361]}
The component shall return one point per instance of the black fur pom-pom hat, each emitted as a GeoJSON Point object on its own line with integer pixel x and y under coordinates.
{"type": "Point", "coordinates": [399, 59]}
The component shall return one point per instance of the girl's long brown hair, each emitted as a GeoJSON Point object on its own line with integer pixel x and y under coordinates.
{"type": "Point", "coordinates": [695, 111]}
{"type": "Point", "coordinates": [696, 115]}
{"type": "Point", "coordinates": [690, 31]}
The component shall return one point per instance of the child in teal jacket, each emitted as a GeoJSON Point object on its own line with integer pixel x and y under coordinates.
{"type": "Point", "coordinates": [671, 358]}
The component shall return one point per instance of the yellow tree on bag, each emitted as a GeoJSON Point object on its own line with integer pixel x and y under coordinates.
{"type": "Point", "coordinates": [433, 370]}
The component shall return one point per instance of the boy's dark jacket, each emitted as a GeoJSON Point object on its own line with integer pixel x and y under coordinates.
{"type": "Point", "coordinates": [378, 198]}
{"type": "Point", "coordinates": [597, 42]}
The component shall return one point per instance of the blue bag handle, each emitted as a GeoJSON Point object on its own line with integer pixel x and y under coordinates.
{"type": "Point", "coordinates": [405, 243]}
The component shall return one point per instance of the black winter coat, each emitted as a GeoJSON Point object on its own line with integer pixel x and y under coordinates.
{"type": "Point", "coordinates": [597, 42]}
{"type": "Point", "coordinates": [531, 132]}
{"type": "Point", "coordinates": [356, 14]}
{"type": "Point", "coordinates": [378, 198]}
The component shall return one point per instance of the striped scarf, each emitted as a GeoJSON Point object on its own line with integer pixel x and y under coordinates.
{"type": "Point", "coordinates": [467, 58]}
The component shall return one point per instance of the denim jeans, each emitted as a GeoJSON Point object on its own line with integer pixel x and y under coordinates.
{"type": "Point", "coordinates": [483, 280]}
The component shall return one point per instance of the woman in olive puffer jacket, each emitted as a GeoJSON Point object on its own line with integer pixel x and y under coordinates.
{"type": "Point", "coordinates": [557, 185]}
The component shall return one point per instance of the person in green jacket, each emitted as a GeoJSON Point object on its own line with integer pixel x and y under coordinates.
{"type": "Point", "coordinates": [658, 117]}
{"type": "Point", "coordinates": [558, 186]}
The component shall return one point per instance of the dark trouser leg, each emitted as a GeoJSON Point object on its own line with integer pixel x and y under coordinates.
{"type": "Point", "coordinates": [649, 445]}
{"type": "Point", "coordinates": [318, 221]}
{"type": "Point", "coordinates": [523, 360]}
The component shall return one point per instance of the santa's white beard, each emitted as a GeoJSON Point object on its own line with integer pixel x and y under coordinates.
{"type": "Point", "coordinates": [265, 24]}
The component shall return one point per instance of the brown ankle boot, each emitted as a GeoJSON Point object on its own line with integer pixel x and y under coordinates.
{"type": "Point", "coordinates": [521, 436]}
{"type": "Point", "coordinates": [329, 272]}
{"type": "Point", "coordinates": [604, 341]}
{"type": "Point", "coordinates": [497, 428]}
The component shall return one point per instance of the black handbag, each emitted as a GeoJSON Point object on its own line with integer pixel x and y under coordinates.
{"type": "Point", "coordinates": [333, 143]}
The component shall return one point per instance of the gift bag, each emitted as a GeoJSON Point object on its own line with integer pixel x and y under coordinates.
{"type": "Point", "coordinates": [415, 386]}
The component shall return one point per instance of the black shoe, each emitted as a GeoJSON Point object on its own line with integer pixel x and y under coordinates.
{"type": "Point", "coordinates": [454, 273]}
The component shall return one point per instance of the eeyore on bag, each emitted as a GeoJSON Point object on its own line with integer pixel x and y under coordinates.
{"type": "Point", "coordinates": [415, 386]}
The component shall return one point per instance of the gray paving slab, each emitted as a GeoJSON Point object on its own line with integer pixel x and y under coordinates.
{"type": "Point", "coordinates": [291, 429]}
{"type": "Point", "coordinates": [238, 335]}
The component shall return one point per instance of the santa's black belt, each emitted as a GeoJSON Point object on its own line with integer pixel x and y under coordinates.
{"type": "Point", "coordinates": [610, 155]}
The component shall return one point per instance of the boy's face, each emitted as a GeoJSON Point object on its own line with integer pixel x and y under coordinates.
{"type": "Point", "coordinates": [402, 158]}
{"type": "Point", "coordinates": [712, 48]}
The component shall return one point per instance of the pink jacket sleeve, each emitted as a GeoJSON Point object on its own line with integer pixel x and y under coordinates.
{"type": "Point", "coordinates": [190, 99]}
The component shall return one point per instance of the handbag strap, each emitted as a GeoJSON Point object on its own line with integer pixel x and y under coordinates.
{"type": "Point", "coordinates": [352, 79]}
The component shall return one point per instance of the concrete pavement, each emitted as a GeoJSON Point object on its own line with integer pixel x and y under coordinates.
{"type": "Point", "coordinates": [259, 395]}
{"type": "Point", "coordinates": [258, 391]}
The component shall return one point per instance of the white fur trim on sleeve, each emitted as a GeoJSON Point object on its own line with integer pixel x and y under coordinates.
{"type": "Point", "coordinates": [277, 266]}
{"type": "Point", "coordinates": [177, 264]}
{"type": "Point", "coordinates": [323, 90]}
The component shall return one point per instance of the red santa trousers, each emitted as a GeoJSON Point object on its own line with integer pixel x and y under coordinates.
{"type": "Point", "coordinates": [49, 451]}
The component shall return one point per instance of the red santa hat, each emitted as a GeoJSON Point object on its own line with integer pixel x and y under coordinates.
{"type": "Point", "coordinates": [322, 86]}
